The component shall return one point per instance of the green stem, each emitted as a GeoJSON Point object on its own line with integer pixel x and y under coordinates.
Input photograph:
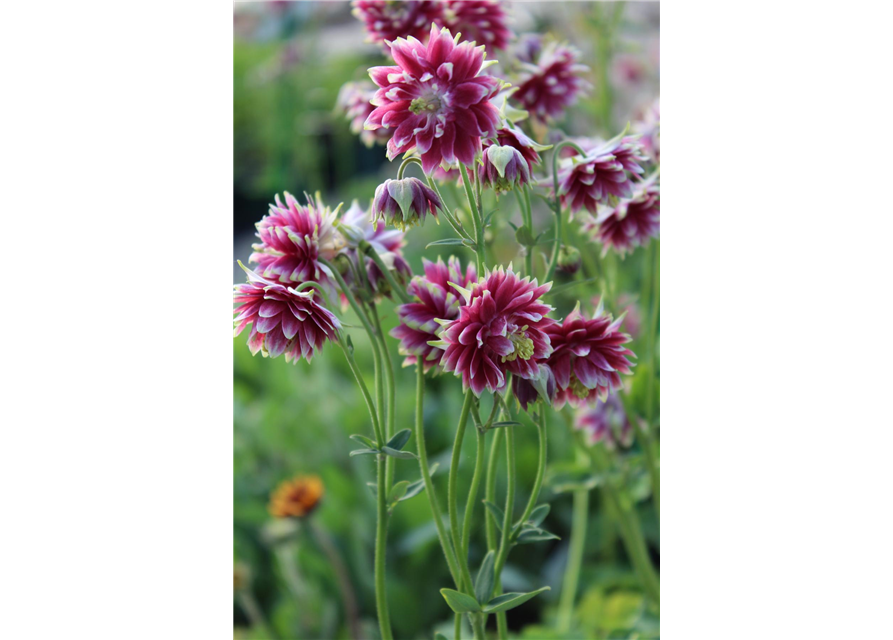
{"type": "Point", "coordinates": [457, 633]}
{"type": "Point", "coordinates": [350, 297]}
{"type": "Point", "coordinates": [467, 583]}
{"type": "Point", "coordinates": [574, 556]}
{"type": "Point", "coordinates": [476, 218]}
{"type": "Point", "coordinates": [473, 491]}
{"type": "Point", "coordinates": [381, 536]}
{"type": "Point", "coordinates": [445, 543]}
{"type": "Point", "coordinates": [490, 489]}
{"type": "Point", "coordinates": [364, 390]}
{"type": "Point", "coordinates": [504, 542]}
{"type": "Point", "coordinates": [630, 528]}
{"type": "Point", "coordinates": [541, 466]}
{"type": "Point", "coordinates": [399, 291]}
{"type": "Point", "coordinates": [391, 421]}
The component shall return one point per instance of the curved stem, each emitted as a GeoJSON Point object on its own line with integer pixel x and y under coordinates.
{"type": "Point", "coordinates": [445, 543]}
{"type": "Point", "coordinates": [454, 223]}
{"type": "Point", "coordinates": [574, 556]}
{"type": "Point", "coordinates": [557, 242]}
{"type": "Point", "coordinates": [395, 286]}
{"type": "Point", "coordinates": [350, 297]}
{"type": "Point", "coordinates": [364, 390]}
{"type": "Point", "coordinates": [406, 163]}
{"type": "Point", "coordinates": [473, 491]}
{"type": "Point", "coordinates": [541, 466]}
{"type": "Point", "coordinates": [467, 583]}
{"type": "Point", "coordinates": [504, 543]}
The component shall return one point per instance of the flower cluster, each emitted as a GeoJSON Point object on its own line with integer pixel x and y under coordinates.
{"type": "Point", "coordinates": [632, 222]}
{"type": "Point", "coordinates": [296, 498]}
{"type": "Point", "coordinates": [433, 299]}
{"type": "Point", "coordinates": [435, 99]}
{"type": "Point", "coordinates": [607, 170]}
{"type": "Point", "coordinates": [500, 330]}
{"type": "Point", "coordinates": [481, 21]}
{"type": "Point", "coordinates": [550, 77]}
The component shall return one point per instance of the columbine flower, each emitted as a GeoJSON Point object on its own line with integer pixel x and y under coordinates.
{"type": "Point", "coordinates": [648, 126]}
{"type": "Point", "coordinates": [293, 238]}
{"type": "Point", "coordinates": [499, 330]}
{"type": "Point", "coordinates": [517, 139]}
{"type": "Point", "coordinates": [354, 100]}
{"type": "Point", "coordinates": [549, 83]}
{"type": "Point", "coordinates": [588, 357]}
{"type": "Point", "coordinates": [605, 422]}
{"type": "Point", "coordinates": [404, 203]}
{"type": "Point", "coordinates": [503, 168]}
{"type": "Point", "coordinates": [542, 386]}
{"type": "Point", "coordinates": [357, 226]}
{"type": "Point", "coordinates": [607, 170]}
{"type": "Point", "coordinates": [387, 20]}
{"type": "Point", "coordinates": [632, 222]}
{"type": "Point", "coordinates": [282, 319]}
{"type": "Point", "coordinates": [483, 21]}
{"type": "Point", "coordinates": [435, 99]}
{"type": "Point", "coordinates": [433, 299]}
{"type": "Point", "coordinates": [296, 498]}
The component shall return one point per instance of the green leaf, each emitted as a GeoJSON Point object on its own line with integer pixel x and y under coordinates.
{"type": "Point", "coordinates": [460, 602]}
{"type": "Point", "coordinates": [413, 490]}
{"type": "Point", "coordinates": [510, 600]}
{"type": "Point", "coordinates": [445, 241]}
{"type": "Point", "coordinates": [400, 439]}
{"type": "Point", "coordinates": [364, 452]}
{"type": "Point", "coordinates": [433, 469]}
{"type": "Point", "coordinates": [535, 535]}
{"type": "Point", "coordinates": [439, 636]}
{"type": "Point", "coordinates": [506, 423]}
{"type": "Point", "coordinates": [538, 515]}
{"type": "Point", "coordinates": [483, 584]}
{"type": "Point", "coordinates": [398, 491]}
{"type": "Point", "coordinates": [369, 442]}
{"type": "Point", "coordinates": [524, 237]}
{"type": "Point", "coordinates": [497, 513]}
{"type": "Point", "coordinates": [401, 455]}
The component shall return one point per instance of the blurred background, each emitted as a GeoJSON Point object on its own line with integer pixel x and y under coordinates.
{"type": "Point", "coordinates": [290, 61]}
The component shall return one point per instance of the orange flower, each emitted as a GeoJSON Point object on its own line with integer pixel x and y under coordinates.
{"type": "Point", "coordinates": [296, 498]}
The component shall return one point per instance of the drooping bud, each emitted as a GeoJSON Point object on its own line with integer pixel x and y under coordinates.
{"type": "Point", "coordinates": [503, 168]}
{"type": "Point", "coordinates": [404, 203]}
{"type": "Point", "coordinates": [569, 259]}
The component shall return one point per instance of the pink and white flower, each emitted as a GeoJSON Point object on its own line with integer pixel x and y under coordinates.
{"type": "Point", "coordinates": [293, 239]}
{"type": "Point", "coordinates": [354, 100]}
{"type": "Point", "coordinates": [433, 299]}
{"type": "Point", "coordinates": [632, 222]}
{"type": "Point", "coordinates": [435, 99]}
{"type": "Point", "coordinates": [282, 319]}
{"type": "Point", "coordinates": [587, 357]}
{"type": "Point", "coordinates": [387, 20]}
{"type": "Point", "coordinates": [605, 422]}
{"type": "Point", "coordinates": [356, 226]}
{"type": "Point", "coordinates": [500, 330]}
{"type": "Point", "coordinates": [481, 21]}
{"type": "Point", "coordinates": [607, 170]}
{"type": "Point", "coordinates": [551, 80]}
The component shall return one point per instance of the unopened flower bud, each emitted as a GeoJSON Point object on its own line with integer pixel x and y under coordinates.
{"type": "Point", "coordinates": [569, 259]}
{"type": "Point", "coordinates": [503, 168]}
{"type": "Point", "coordinates": [404, 203]}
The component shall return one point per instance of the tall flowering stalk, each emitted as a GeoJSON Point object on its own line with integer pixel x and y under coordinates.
{"type": "Point", "coordinates": [494, 327]}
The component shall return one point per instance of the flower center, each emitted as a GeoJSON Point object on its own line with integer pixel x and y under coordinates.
{"type": "Point", "coordinates": [523, 346]}
{"type": "Point", "coordinates": [429, 103]}
{"type": "Point", "coordinates": [578, 388]}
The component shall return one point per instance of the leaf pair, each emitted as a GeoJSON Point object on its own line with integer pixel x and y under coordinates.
{"type": "Point", "coordinates": [392, 448]}
{"type": "Point", "coordinates": [464, 603]}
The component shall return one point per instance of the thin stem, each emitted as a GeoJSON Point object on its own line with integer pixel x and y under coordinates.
{"type": "Point", "coordinates": [473, 491]}
{"type": "Point", "coordinates": [347, 594]}
{"type": "Point", "coordinates": [528, 257]}
{"type": "Point", "coordinates": [388, 366]}
{"type": "Point", "coordinates": [350, 297]}
{"type": "Point", "coordinates": [457, 633]}
{"type": "Point", "coordinates": [557, 205]}
{"type": "Point", "coordinates": [395, 286]}
{"type": "Point", "coordinates": [454, 223]}
{"type": "Point", "coordinates": [405, 164]}
{"type": "Point", "coordinates": [476, 218]}
{"type": "Point", "coordinates": [504, 543]}
{"type": "Point", "coordinates": [575, 554]}
{"type": "Point", "coordinates": [381, 538]}
{"type": "Point", "coordinates": [445, 543]}
{"type": "Point", "coordinates": [468, 585]}
{"type": "Point", "coordinates": [541, 466]}
{"type": "Point", "coordinates": [490, 489]}
{"type": "Point", "coordinates": [364, 390]}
